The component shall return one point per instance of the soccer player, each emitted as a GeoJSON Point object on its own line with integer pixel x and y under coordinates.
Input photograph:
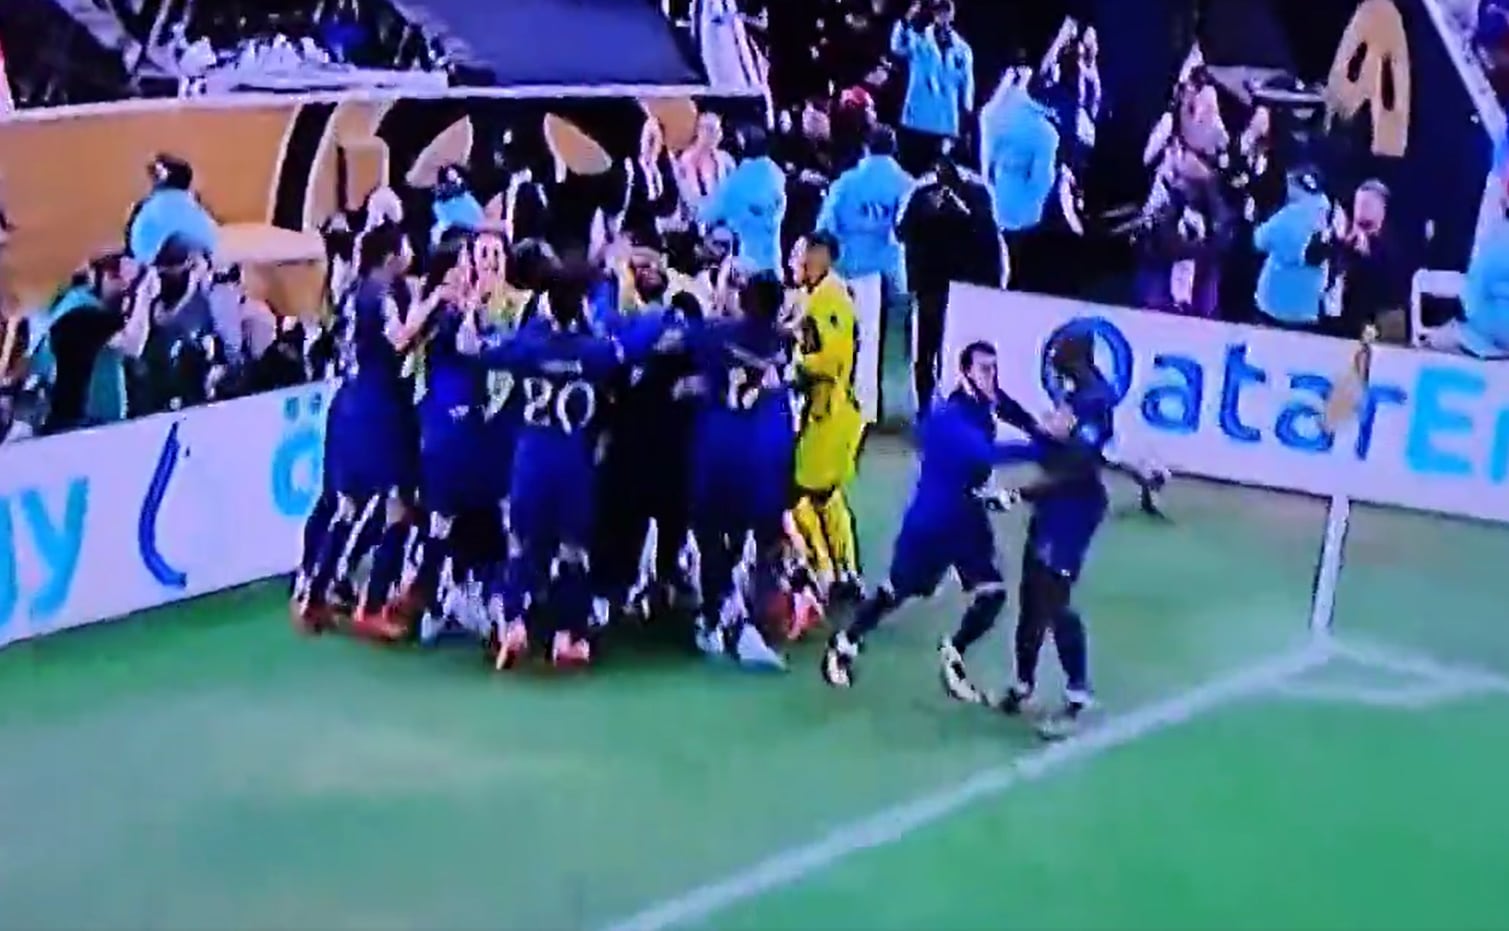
{"type": "Point", "coordinates": [562, 369]}
{"type": "Point", "coordinates": [455, 480]}
{"type": "Point", "coordinates": [831, 424]}
{"type": "Point", "coordinates": [1068, 505]}
{"type": "Point", "coordinates": [947, 525]}
{"type": "Point", "coordinates": [742, 451]}
{"type": "Point", "coordinates": [371, 456]}
{"type": "Point", "coordinates": [861, 211]}
{"type": "Point", "coordinates": [644, 470]}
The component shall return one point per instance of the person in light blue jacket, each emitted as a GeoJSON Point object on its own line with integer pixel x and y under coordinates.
{"type": "Point", "coordinates": [863, 207]}
{"type": "Point", "coordinates": [1485, 296]}
{"type": "Point", "coordinates": [940, 82]}
{"type": "Point", "coordinates": [861, 212]}
{"type": "Point", "coordinates": [1293, 278]}
{"type": "Point", "coordinates": [455, 207]}
{"type": "Point", "coordinates": [752, 203]}
{"type": "Point", "coordinates": [171, 209]}
{"type": "Point", "coordinates": [1019, 153]}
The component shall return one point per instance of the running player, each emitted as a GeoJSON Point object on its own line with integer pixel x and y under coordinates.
{"type": "Point", "coordinates": [947, 525]}
{"type": "Point", "coordinates": [831, 423]}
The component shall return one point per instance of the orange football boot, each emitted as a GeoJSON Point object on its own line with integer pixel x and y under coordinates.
{"type": "Point", "coordinates": [567, 652]}
{"type": "Point", "coordinates": [513, 643]}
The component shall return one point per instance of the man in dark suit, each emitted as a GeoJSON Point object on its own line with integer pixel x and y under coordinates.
{"type": "Point", "coordinates": [948, 229]}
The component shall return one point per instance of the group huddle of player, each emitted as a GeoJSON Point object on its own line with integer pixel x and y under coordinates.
{"type": "Point", "coordinates": [566, 461]}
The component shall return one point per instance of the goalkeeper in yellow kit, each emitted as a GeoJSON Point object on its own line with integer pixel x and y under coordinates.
{"type": "Point", "coordinates": [832, 424]}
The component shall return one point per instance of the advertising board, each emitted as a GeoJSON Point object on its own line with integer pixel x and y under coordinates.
{"type": "Point", "coordinates": [100, 523]}
{"type": "Point", "coordinates": [1247, 405]}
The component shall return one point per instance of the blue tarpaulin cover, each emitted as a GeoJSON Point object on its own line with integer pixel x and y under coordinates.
{"type": "Point", "coordinates": [582, 42]}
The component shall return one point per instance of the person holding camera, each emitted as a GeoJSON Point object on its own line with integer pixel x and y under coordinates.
{"type": "Point", "coordinates": [1185, 233]}
{"type": "Point", "coordinates": [99, 321]}
{"type": "Point", "coordinates": [949, 232]}
{"type": "Point", "coordinates": [940, 81]}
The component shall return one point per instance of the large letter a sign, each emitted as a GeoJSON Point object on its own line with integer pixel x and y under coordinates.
{"type": "Point", "coordinates": [1372, 70]}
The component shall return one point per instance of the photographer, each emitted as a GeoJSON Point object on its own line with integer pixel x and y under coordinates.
{"type": "Point", "coordinates": [949, 232]}
{"type": "Point", "coordinates": [1185, 233]}
{"type": "Point", "coordinates": [99, 321]}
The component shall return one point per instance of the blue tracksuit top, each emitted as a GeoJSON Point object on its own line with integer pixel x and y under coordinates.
{"type": "Point", "coordinates": [1288, 289]}
{"type": "Point", "coordinates": [1019, 156]}
{"type": "Point", "coordinates": [940, 85]}
{"type": "Point", "coordinates": [862, 209]}
{"type": "Point", "coordinates": [752, 202]}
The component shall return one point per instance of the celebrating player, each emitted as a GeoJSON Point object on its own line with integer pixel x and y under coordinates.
{"type": "Point", "coordinates": [946, 525]}
{"type": "Point", "coordinates": [831, 423]}
{"type": "Point", "coordinates": [742, 451]}
{"type": "Point", "coordinates": [371, 453]}
{"type": "Point", "coordinates": [562, 369]}
{"type": "Point", "coordinates": [1068, 506]}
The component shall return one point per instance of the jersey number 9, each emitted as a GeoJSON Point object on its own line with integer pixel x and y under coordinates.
{"type": "Point", "coordinates": [568, 406]}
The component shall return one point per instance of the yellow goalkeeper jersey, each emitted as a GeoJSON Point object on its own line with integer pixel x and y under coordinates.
{"type": "Point", "coordinates": [829, 329]}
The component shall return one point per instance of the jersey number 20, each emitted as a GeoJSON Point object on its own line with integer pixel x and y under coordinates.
{"type": "Point", "coordinates": [547, 404]}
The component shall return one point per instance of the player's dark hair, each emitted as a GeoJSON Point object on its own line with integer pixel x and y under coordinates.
{"type": "Point", "coordinates": [568, 291]}
{"type": "Point", "coordinates": [377, 246]}
{"type": "Point", "coordinates": [1074, 351]}
{"type": "Point", "coordinates": [763, 297]}
{"type": "Point", "coordinates": [822, 239]}
{"type": "Point", "coordinates": [972, 351]}
{"type": "Point", "coordinates": [687, 305]}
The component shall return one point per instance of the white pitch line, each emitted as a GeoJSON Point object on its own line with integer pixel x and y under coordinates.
{"type": "Point", "coordinates": [892, 824]}
{"type": "Point", "coordinates": [1409, 663]}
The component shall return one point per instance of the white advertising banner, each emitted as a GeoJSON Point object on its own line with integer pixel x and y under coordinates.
{"type": "Point", "coordinates": [100, 523]}
{"type": "Point", "coordinates": [1245, 404]}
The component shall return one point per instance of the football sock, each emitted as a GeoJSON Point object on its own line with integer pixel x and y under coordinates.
{"type": "Point", "coordinates": [810, 524]}
{"type": "Point", "coordinates": [979, 617]}
{"type": "Point", "coordinates": [1073, 650]}
{"type": "Point", "coordinates": [315, 529]}
{"type": "Point", "coordinates": [838, 531]}
{"type": "Point", "coordinates": [1030, 633]}
{"type": "Point", "coordinates": [387, 565]}
{"type": "Point", "coordinates": [871, 612]}
{"type": "Point", "coordinates": [571, 597]}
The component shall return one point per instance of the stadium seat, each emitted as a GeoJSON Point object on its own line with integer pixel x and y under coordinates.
{"type": "Point", "coordinates": [1441, 284]}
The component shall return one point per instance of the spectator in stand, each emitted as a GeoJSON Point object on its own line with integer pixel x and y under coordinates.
{"type": "Point", "coordinates": [99, 321]}
{"type": "Point", "coordinates": [1293, 278]}
{"type": "Point", "coordinates": [15, 345]}
{"type": "Point", "coordinates": [854, 118]}
{"type": "Point", "coordinates": [170, 209]}
{"type": "Point", "coordinates": [1019, 153]}
{"type": "Point", "coordinates": [1187, 232]}
{"type": "Point", "coordinates": [940, 90]}
{"type": "Point", "coordinates": [652, 201]}
{"type": "Point", "coordinates": [752, 203]}
{"type": "Point", "coordinates": [1371, 274]}
{"type": "Point", "coordinates": [704, 166]}
{"type": "Point", "coordinates": [861, 211]}
{"type": "Point", "coordinates": [949, 231]}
